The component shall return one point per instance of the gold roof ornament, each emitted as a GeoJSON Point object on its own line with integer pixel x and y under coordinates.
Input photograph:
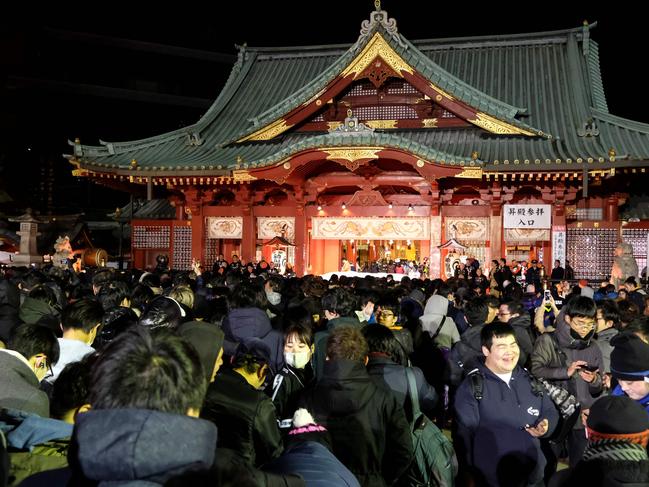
{"type": "Point", "coordinates": [474, 155]}
{"type": "Point", "coordinates": [377, 5]}
{"type": "Point", "coordinates": [133, 163]}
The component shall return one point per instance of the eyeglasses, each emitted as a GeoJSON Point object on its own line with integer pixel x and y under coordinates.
{"type": "Point", "coordinates": [387, 314]}
{"type": "Point", "coordinates": [577, 323]}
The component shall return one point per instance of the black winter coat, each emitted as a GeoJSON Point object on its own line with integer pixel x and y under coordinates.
{"type": "Point", "coordinates": [245, 418]}
{"type": "Point", "coordinates": [368, 426]}
{"type": "Point", "coordinates": [286, 389]}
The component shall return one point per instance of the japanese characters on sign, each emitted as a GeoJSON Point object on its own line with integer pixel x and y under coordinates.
{"type": "Point", "coordinates": [527, 216]}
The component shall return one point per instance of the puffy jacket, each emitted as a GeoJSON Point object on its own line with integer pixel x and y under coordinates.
{"type": "Point", "coordinates": [491, 435]}
{"type": "Point", "coordinates": [315, 464]}
{"type": "Point", "coordinates": [36, 444]}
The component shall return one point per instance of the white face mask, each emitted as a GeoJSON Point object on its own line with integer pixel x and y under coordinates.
{"type": "Point", "coordinates": [297, 359]}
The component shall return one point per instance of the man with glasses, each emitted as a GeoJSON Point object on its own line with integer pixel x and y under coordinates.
{"type": "Point", "coordinates": [570, 358]}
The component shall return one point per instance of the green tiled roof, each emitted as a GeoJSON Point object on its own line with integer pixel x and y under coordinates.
{"type": "Point", "coordinates": [542, 81]}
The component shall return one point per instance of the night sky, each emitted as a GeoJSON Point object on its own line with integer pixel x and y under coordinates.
{"type": "Point", "coordinates": [42, 116]}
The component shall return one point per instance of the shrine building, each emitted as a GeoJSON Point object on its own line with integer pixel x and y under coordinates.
{"type": "Point", "coordinates": [387, 148]}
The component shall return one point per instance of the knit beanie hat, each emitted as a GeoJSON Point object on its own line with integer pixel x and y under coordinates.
{"type": "Point", "coordinates": [306, 429]}
{"type": "Point", "coordinates": [629, 358]}
{"type": "Point", "coordinates": [207, 339]}
{"type": "Point", "coordinates": [618, 418]}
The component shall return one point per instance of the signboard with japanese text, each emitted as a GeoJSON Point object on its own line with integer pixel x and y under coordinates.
{"type": "Point", "coordinates": [559, 244]}
{"type": "Point", "coordinates": [527, 216]}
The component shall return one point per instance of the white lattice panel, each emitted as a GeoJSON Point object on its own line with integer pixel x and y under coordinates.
{"type": "Point", "coordinates": [590, 251]}
{"type": "Point", "coordinates": [151, 237]}
{"type": "Point", "coordinates": [182, 257]}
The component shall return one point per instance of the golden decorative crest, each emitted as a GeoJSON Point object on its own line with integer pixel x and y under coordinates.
{"type": "Point", "coordinates": [242, 176]}
{"type": "Point", "coordinates": [382, 124]}
{"type": "Point", "coordinates": [429, 123]}
{"type": "Point", "coordinates": [470, 173]}
{"type": "Point", "coordinates": [333, 125]}
{"type": "Point", "coordinates": [269, 131]}
{"type": "Point", "coordinates": [496, 126]}
{"type": "Point", "coordinates": [352, 155]}
{"type": "Point", "coordinates": [377, 46]}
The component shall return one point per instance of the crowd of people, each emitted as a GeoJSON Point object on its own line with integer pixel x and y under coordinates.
{"type": "Point", "coordinates": [239, 376]}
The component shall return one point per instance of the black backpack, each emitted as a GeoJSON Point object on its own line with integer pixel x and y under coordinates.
{"type": "Point", "coordinates": [462, 360]}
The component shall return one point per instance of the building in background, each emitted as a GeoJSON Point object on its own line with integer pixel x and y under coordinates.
{"type": "Point", "coordinates": [387, 148]}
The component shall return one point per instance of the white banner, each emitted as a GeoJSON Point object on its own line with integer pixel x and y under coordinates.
{"type": "Point", "coordinates": [559, 245]}
{"type": "Point", "coordinates": [371, 228]}
{"type": "Point", "coordinates": [270, 227]}
{"type": "Point", "coordinates": [527, 216]}
{"type": "Point", "coordinates": [225, 227]}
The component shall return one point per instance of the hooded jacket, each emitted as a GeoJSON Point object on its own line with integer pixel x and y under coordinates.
{"type": "Point", "coordinates": [32, 310]}
{"type": "Point", "coordinates": [19, 386]}
{"type": "Point", "coordinates": [434, 312]}
{"type": "Point", "coordinates": [253, 323]}
{"type": "Point", "coordinates": [603, 341]}
{"type": "Point", "coordinates": [133, 447]}
{"type": "Point", "coordinates": [491, 435]}
{"type": "Point", "coordinates": [368, 427]}
{"type": "Point", "coordinates": [554, 352]}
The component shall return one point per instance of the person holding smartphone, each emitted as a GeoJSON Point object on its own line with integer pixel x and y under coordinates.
{"type": "Point", "coordinates": [570, 358]}
{"type": "Point", "coordinates": [546, 314]}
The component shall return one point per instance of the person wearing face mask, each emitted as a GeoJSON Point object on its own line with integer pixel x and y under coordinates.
{"type": "Point", "coordinates": [571, 359]}
{"type": "Point", "coordinates": [295, 375]}
{"type": "Point", "coordinates": [31, 351]}
{"type": "Point", "coordinates": [244, 415]}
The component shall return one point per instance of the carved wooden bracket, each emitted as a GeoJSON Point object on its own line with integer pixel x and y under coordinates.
{"type": "Point", "coordinates": [367, 198]}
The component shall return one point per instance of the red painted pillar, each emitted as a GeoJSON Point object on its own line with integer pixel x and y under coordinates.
{"type": "Point", "coordinates": [249, 235]}
{"type": "Point", "coordinates": [301, 241]}
{"type": "Point", "coordinates": [194, 209]}
{"type": "Point", "coordinates": [317, 256]}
